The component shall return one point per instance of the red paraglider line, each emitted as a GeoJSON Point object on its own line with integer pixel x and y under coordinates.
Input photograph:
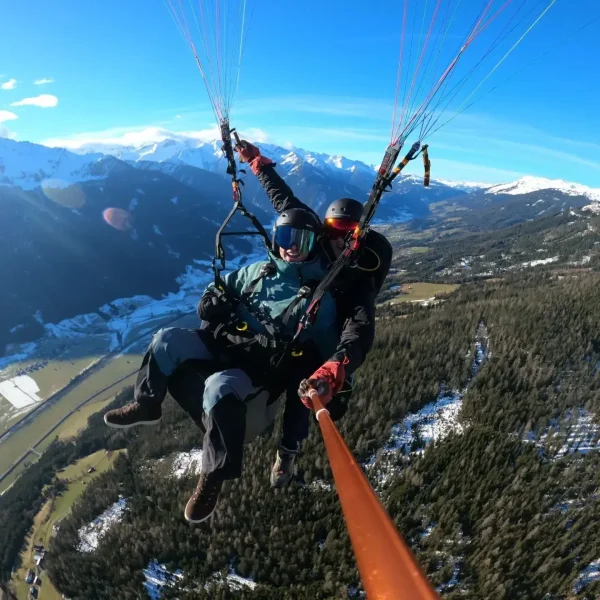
{"type": "Point", "coordinates": [476, 31]}
{"type": "Point", "coordinates": [412, 85]}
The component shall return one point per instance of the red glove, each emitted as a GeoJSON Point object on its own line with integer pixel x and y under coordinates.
{"type": "Point", "coordinates": [251, 154]}
{"type": "Point", "coordinates": [327, 380]}
{"type": "Point", "coordinates": [247, 151]}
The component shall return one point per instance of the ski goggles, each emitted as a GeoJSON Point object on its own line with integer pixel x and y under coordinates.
{"type": "Point", "coordinates": [335, 228]}
{"type": "Point", "coordinates": [286, 236]}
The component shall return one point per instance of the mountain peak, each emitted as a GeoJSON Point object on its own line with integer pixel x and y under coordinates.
{"type": "Point", "coordinates": [528, 184]}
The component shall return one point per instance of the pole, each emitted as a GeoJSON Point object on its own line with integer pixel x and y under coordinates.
{"type": "Point", "coordinates": [386, 565]}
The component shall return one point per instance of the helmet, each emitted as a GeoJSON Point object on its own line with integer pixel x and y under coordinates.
{"type": "Point", "coordinates": [342, 216]}
{"type": "Point", "coordinates": [297, 227]}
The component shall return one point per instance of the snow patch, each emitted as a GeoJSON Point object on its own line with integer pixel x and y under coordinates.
{"type": "Point", "coordinates": [576, 433]}
{"type": "Point", "coordinates": [543, 261]}
{"type": "Point", "coordinates": [158, 577]}
{"type": "Point", "coordinates": [590, 574]}
{"type": "Point", "coordinates": [232, 580]}
{"type": "Point", "coordinates": [320, 485]}
{"type": "Point", "coordinates": [91, 534]}
{"type": "Point", "coordinates": [187, 463]}
{"type": "Point", "coordinates": [432, 423]}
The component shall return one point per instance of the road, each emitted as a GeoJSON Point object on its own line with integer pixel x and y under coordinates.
{"type": "Point", "coordinates": [69, 387]}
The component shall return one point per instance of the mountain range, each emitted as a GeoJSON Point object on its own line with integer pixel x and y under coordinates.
{"type": "Point", "coordinates": [62, 258]}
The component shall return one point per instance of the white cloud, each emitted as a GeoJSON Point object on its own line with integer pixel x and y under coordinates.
{"type": "Point", "coordinates": [11, 84]}
{"type": "Point", "coordinates": [138, 136]}
{"type": "Point", "coordinates": [178, 116]}
{"type": "Point", "coordinates": [43, 101]}
{"type": "Point", "coordinates": [7, 115]}
{"type": "Point", "coordinates": [43, 81]}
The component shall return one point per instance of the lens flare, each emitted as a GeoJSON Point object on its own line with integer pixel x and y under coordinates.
{"type": "Point", "coordinates": [117, 218]}
{"type": "Point", "coordinates": [63, 193]}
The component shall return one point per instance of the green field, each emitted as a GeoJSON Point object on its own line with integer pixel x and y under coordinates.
{"type": "Point", "coordinates": [57, 361]}
{"type": "Point", "coordinates": [419, 291]}
{"type": "Point", "coordinates": [52, 512]}
{"type": "Point", "coordinates": [30, 433]}
{"type": "Point", "coordinates": [418, 249]}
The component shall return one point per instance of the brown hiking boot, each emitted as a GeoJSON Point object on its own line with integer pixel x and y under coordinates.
{"type": "Point", "coordinates": [283, 469]}
{"type": "Point", "coordinates": [203, 502]}
{"type": "Point", "coordinates": [133, 414]}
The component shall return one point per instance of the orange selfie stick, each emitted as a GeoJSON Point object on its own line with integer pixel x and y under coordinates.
{"type": "Point", "coordinates": [386, 565]}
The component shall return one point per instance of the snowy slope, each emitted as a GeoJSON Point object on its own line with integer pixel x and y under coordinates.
{"type": "Point", "coordinates": [527, 185]}
{"type": "Point", "coordinates": [29, 165]}
{"type": "Point", "coordinates": [465, 186]}
{"type": "Point", "coordinates": [91, 534]}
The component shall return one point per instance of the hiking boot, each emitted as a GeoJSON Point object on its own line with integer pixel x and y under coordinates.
{"type": "Point", "coordinates": [203, 502]}
{"type": "Point", "coordinates": [283, 469]}
{"type": "Point", "coordinates": [133, 414]}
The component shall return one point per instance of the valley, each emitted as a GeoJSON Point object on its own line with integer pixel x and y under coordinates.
{"type": "Point", "coordinates": [496, 282]}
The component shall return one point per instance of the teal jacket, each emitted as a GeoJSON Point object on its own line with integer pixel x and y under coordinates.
{"type": "Point", "coordinates": [274, 293]}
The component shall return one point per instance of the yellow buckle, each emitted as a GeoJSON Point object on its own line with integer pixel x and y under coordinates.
{"type": "Point", "coordinates": [242, 326]}
{"type": "Point", "coordinates": [296, 353]}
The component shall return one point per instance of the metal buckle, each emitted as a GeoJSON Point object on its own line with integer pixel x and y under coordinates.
{"type": "Point", "coordinates": [243, 326]}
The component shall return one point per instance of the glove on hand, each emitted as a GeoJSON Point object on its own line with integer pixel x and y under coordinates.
{"type": "Point", "coordinates": [251, 154]}
{"type": "Point", "coordinates": [327, 380]}
{"type": "Point", "coordinates": [214, 308]}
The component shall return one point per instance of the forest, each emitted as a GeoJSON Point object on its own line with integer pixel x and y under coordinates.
{"type": "Point", "coordinates": [495, 510]}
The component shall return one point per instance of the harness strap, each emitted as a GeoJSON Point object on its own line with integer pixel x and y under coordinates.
{"type": "Point", "coordinates": [304, 292]}
{"type": "Point", "coordinates": [265, 271]}
{"type": "Point", "coordinates": [427, 165]}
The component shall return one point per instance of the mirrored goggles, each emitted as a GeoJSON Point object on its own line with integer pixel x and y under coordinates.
{"type": "Point", "coordinates": [286, 236]}
{"type": "Point", "coordinates": [336, 228]}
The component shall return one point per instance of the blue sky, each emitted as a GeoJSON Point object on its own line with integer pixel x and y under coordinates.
{"type": "Point", "coordinates": [318, 75]}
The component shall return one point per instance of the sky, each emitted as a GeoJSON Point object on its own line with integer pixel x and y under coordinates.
{"type": "Point", "coordinates": [316, 75]}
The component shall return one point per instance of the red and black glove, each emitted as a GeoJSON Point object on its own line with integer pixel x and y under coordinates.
{"type": "Point", "coordinates": [327, 380]}
{"type": "Point", "coordinates": [251, 154]}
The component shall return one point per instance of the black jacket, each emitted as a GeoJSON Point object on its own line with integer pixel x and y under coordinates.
{"type": "Point", "coordinates": [355, 289]}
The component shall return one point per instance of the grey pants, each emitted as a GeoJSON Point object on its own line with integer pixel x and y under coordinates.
{"type": "Point", "coordinates": [233, 409]}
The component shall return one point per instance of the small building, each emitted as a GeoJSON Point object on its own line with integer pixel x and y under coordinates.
{"type": "Point", "coordinates": [30, 576]}
{"type": "Point", "coordinates": [91, 470]}
{"type": "Point", "coordinates": [37, 582]}
{"type": "Point", "coordinates": [38, 547]}
{"type": "Point", "coordinates": [33, 592]}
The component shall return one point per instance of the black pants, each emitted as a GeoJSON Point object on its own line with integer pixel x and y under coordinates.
{"type": "Point", "coordinates": [225, 402]}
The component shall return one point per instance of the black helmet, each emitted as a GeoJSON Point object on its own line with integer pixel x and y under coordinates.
{"type": "Point", "coordinates": [343, 215]}
{"type": "Point", "coordinates": [297, 227]}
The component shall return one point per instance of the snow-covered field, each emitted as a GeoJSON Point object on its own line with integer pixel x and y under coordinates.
{"type": "Point", "coordinates": [20, 391]}
{"type": "Point", "coordinates": [91, 534]}
{"type": "Point", "coordinates": [432, 423]}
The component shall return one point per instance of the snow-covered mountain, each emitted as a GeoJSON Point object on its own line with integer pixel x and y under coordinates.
{"type": "Point", "coordinates": [528, 184]}
{"type": "Point", "coordinates": [464, 186]}
{"type": "Point", "coordinates": [29, 165]}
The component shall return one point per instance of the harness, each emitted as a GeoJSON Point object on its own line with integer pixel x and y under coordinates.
{"type": "Point", "coordinates": [383, 183]}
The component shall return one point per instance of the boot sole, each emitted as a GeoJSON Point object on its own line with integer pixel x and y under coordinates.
{"type": "Point", "coordinates": [115, 426]}
{"type": "Point", "coordinates": [189, 520]}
